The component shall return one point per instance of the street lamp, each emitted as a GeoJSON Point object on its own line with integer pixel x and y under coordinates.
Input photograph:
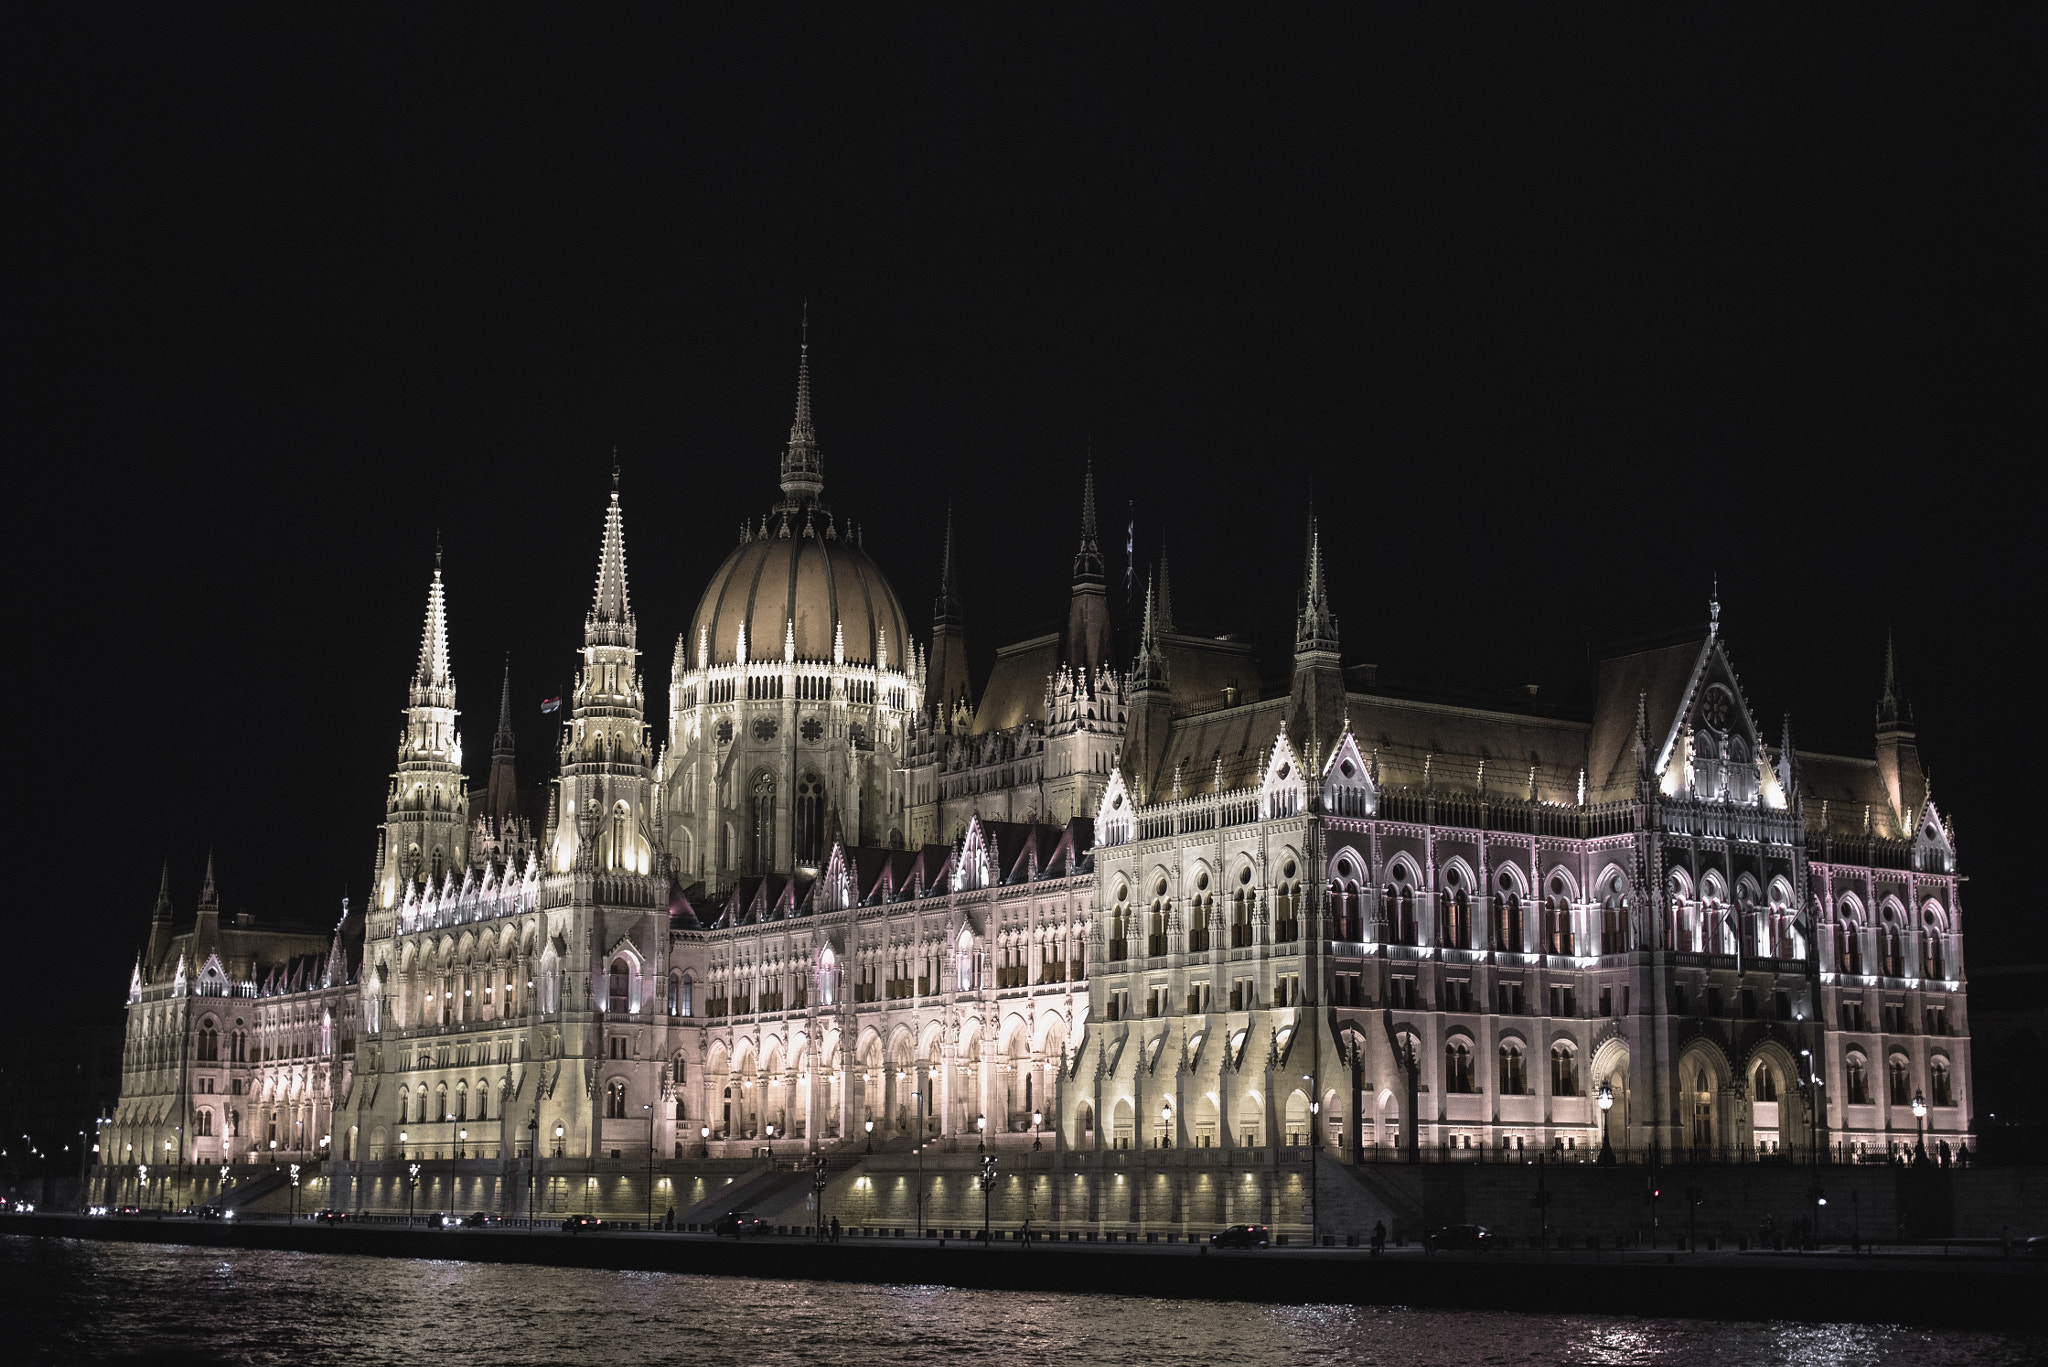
{"type": "Point", "coordinates": [869, 1126]}
{"type": "Point", "coordinates": [532, 1157]}
{"type": "Point", "coordinates": [988, 1182]}
{"type": "Point", "coordinates": [1920, 1116]}
{"type": "Point", "coordinates": [462, 1143]}
{"type": "Point", "coordinates": [980, 1131]}
{"type": "Point", "coordinates": [649, 1108]}
{"type": "Point", "coordinates": [1314, 1137]}
{"type": "Point", "coordinates": [1037, 1119]}
{"type": "Point", "coordinates": [704, 1134]}
{"type": "Point", "coordinates": [412, 1184]}
{"type": "Point", "coordinates": [819, 1180]}
{"type": "Point", "coordinates": [1606, 1105]}
{"type": "Point", "coordinates": [295, 1191]}
{"type": "Point", "coordinates": [916, 1096]}
{"type": "Point", "coordinates": [1166, 1124]}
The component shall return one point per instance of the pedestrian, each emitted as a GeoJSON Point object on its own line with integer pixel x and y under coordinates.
{"type": "Point", "coordinates": [1379, 1237]}
{"type": "Point", "coordinates": [669, 1223]}
{"type": "Point", "coordinates": [835, 1229]}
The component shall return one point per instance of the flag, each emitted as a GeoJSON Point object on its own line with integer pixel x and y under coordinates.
{"type": "Point", "coordinates": [553, 704]}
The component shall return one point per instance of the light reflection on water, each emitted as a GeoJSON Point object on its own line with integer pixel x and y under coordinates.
{"type": "Point", "coordinates": [89, 1302]}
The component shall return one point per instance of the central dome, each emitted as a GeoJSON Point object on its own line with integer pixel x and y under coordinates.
{"type": "Point", "coordinates": [798, 572]}
{"type": "Point", "coordinates": [825, 585]}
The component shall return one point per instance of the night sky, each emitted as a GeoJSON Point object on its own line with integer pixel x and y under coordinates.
{"type": "Point", "coordinates": [1559, 319]}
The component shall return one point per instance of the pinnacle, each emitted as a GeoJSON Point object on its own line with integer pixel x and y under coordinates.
{"type": "Point", "coordinates": [1088, 559]}
{"type": "Point", "coordinates": [433, 666]}
{"type": "Point", "coordinates": [612, 605]}
{"type": "Point", "coordinates": [505, 706]}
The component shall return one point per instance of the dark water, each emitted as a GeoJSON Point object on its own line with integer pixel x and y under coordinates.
{"type": "Point", "coordinates": [91, 1302]}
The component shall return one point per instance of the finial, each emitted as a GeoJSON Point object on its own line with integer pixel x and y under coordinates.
{"type": "Point", "coordinates": [1714, 607]}
{"type": "Point", "coordinates": [615, 471]}
{"type": "Point", "coordinates": [437, 552]}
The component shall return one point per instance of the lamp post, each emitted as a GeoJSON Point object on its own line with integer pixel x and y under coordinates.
{"type": "Point", "coordinates": [869, 1126]}
{"type": "Point", "coordinates": [1606, 1159]}
{"type": "Point", "coordinates": [403, 1140]}
{"type": "Point", "coordinates": [1315, 1197]}
{"type": "Point", "coordinates": [649, 1108]}
{"type": "Point", "coordinates": [412, 1186]}
{"type": "Point", "coordinates": [818, 1183]}
{"type": "Point", "coordinates": [532, 1158]}
{"type": "Point", "coordinates": [1037, 1119]}
{"type": "Point", "coordinates": [988, 1183]}
{"type": "Point", "coordinates": [704, 1135]}
{"type": "Point", "coordinates": [1920, 1117]}
{"type": "Point", "coordinates": [295, 1191]}
{"type": "Point", "coordinates": [1166, 1124]}
{"type": "Point", "coordinates": [166, 1182]}
{"type": "Point", "coordinates": [981, 1133]}
{"type": "Point", "coordinates": [462, 1143]}
{"type": "Point", "coordinates": [916, 1096]}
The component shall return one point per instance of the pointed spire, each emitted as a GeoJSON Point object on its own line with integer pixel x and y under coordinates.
{"type": "Point", "coordinates": [1150, 669]}
{"type": "Point", "coordinates": [947, 608]}
{"type": "Point", "coordinates": [432, 671]}
{"type": "Point", "coordinates": [611, 612]}
{"type": "Point", "coordinates": [503, 740]}
{"type": "Point", "coordinates": [1892, 708]}
{"type": "Point", "coordinates": [163, 896]}
{"type": "Point", "coordinates": [1714, 607]}
{"type": "Point", "coordinates": [1316, 628]}
{"type": "Point", "coordinates": [803, 471]}
{"type": "Point", "coordinates": [1088, 559]}
{"type": "Point", "coordinates": [209, 895]}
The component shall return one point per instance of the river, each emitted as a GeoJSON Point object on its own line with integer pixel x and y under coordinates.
{"type": "Point", "coordinates": [146, 1303]}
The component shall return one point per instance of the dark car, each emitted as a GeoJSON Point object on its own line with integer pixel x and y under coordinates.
{"type": "Point", "coordinates": [1477, 1238]}
{"type": "Point", "coordinates": [739, 1224]}
{"type": "Point", "coordinates": [482, 1219]}
{"type": "Point", "coordinates": [127, 1210]}
{"type": "Point", "coordinates": [330, 1216]}
{"type": "Point", "coordinates": [2037, 1246]}
{"type": "Point", "coordinates": [211, 1213]}
{"type": "Point", "coordinates": [1243, 1236]}
{"type": "Point", "coordinates": [577, 1224]}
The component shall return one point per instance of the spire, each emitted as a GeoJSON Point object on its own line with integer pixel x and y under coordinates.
{"type": "Point", "coordinates": [1316, 627]}
{"type": "Point", "coordinates": [611, 612]}
{"type": "Point", "coordinates": [209, 896]}
{"type": "Point", "coordinates": [432, 672]}
{"type": "Point", "coordinates": [1088, 559]}
{"type": "Point", "coordinates": [503, 740]}
{"type": "Point", "coordinates": [947, 609]}
{"type": "Point", "coordinates": [1892, 709]}
{"type": "Point", "coordinates": [803, 471]}
{"type": "Point", "coordinates": [163, 896]}
{"type": "Point", "coordinates": [1150, 669]}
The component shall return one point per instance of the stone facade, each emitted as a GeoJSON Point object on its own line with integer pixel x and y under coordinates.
{"type": "Point", "coordinates": [1118, 901]}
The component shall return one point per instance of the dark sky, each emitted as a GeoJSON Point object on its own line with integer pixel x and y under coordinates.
{"type": "Point", "coordinates": [1560, 318]}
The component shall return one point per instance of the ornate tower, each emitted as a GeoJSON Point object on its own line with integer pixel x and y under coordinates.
{"type": "Point", "coordinates": [501, 798]}
{"type": "Point", "coordinates": [1088, 648]}
{"type": "Point", "coordinates": [1898, 753]}
{"type": "Point", "coordinates": [1151, 704]}
{"type": "Point", "coordinates": [946, 682]}
{"type": "Point", "coordinates": [426, 812]}
{"type": "Point", "coordinates": [602, 816]}
{"type": "Point", "coordinates": [1315, 718]}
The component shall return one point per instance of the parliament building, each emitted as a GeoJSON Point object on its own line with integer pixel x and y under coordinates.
{"type": "Point", "coordinates": [1123, 910]}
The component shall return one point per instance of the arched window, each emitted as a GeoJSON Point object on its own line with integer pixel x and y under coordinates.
{"type": "Point", "coordinates": [810, 821]}
{"type": "Point", "coordinates": [404, 1106]}
{"type": "Point", "coordinates": [615, 1101]}
{"type": "Point", "coordinates": [1614, 923]}
{"type": "Point", "coordinates": [1287, 905]}
{"type": "Point", "coordinates": [1939, 1093]}
{"type": "Point", "coordinates": [1507, 919]}
{"type": "Point", "coordinates": [764, 823]}
{"type": "Point", "coordinates": [1155, 929]}
{"type": "Point", "coordinates": [1564, 1070]}
{"type": "Point", "coordinates": [964, 973]}
{"type": "Point", "coordinates": [203, 1123]}
{"type": "Point", "coordinates": [483, 1099]}
{"type": "Point", "coordinates": [1858, 1080]}
{"type": "Point", "coordinates": [1400, 907]}
{"type": "Point", "coordinates": [1765, 1085]}
{"type": "Point", "coordinates": [675, 994]}
{"type": "Point", "coordinates": [615, 996]}
{"type": "Point", "coordinates": [441, 1111]}
{"type": "Point", "coordinates": [1119, 927]}
{"type": "Point", "coordinates": [1933, 963]}
{"type": "Point", "coordinates": [1893, 947]}
{"type": "Point", "coordinates": [209, 1045]}
{"type": "Point", "coordinates": [1242, 901]}
{"type": "Point", "coordinates": [1848, 944]}
{"type": "Point", "coordinates": [1514, 1070]}
{"type": "Point", "coordinates": [1199, 907]}
{"type": "Point", "coordinates": [1458, 1066]}
{"type": "Point", "coordinates": [462, 1101]}
{"type": "Point", "coordinates": [1901, 1081]}
{"type": "Point", "coordinates": [1455, 929]}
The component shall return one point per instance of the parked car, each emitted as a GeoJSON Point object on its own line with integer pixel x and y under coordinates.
{"type": "Point", "coordinates": [482, 1219]}
{"type": "Point", "coordinates": [127, 1210]}
{"type": "Point", "coordinates": [212, 1213]}
{"type": "Point", "coordinates": [330, 1215]}
{"type": "Point", "coordinates": [2037, 1246]}
{"type": "Point", "coordinates": [739, 1224]}
{"type": "Point", "coordinates": [1243, 1236]}
{"type": "Point", "coordinates": [576, 1224]}
{"type": "Point", "coordinates": [1477, 1238]}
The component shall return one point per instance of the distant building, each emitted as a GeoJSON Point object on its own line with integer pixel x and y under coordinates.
{"type": "Point", "coordinates": [1120, 898]}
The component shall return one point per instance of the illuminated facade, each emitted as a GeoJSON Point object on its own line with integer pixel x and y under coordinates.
{"type": "Point", "coordinates": [1116, 899]}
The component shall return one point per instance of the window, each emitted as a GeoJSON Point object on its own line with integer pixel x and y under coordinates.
{"type": "Point", "coordinates": [1848, 946]}
{"type": "Point", "coordinates": [1766, 1084]}
{"type": "Point", "coordinates": [764, 823]}
{"type": "Point", "coordinates": [1564, 1071]}
{"type": "Point", "coordinates": [1155, 930]}
{"type": "Point", "coordinates": [1507, 923]}
{"type": "Point", "coordinates": [810, 820]}
{"type": "Point", "coordinates": [1858, 1081]}
{"type": "Point", "coordinates": [615, 1101]}
{"type": "Point", "coordinates": [1901, 1081]}
{"type": "Point", "coordinates": [1514, 1073]}
{"type": "Point", "coordinates": [675, 994]}
{"type": "Point", "coordinates": [616, 988]}
{"type": "Point", "coordinates": [1119, 926]}
{"type": "Point", "coordinates": [1932, 962]}
{"type": "Point", "coordinates": [1613, 925]}
{"type": "Point", "coordinates": [1241, 903]}
{"type": "Point", "coordinates": [1287, 906]}
{"type": "Point", "coordinates": [1456, 928]}
{"type": "Point", "coordinates": [203, 1124]}
{"type": "Point", "coordinates": [1938, 1085]}
{"type": "Point", "coordinates": [1458, 1066]}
